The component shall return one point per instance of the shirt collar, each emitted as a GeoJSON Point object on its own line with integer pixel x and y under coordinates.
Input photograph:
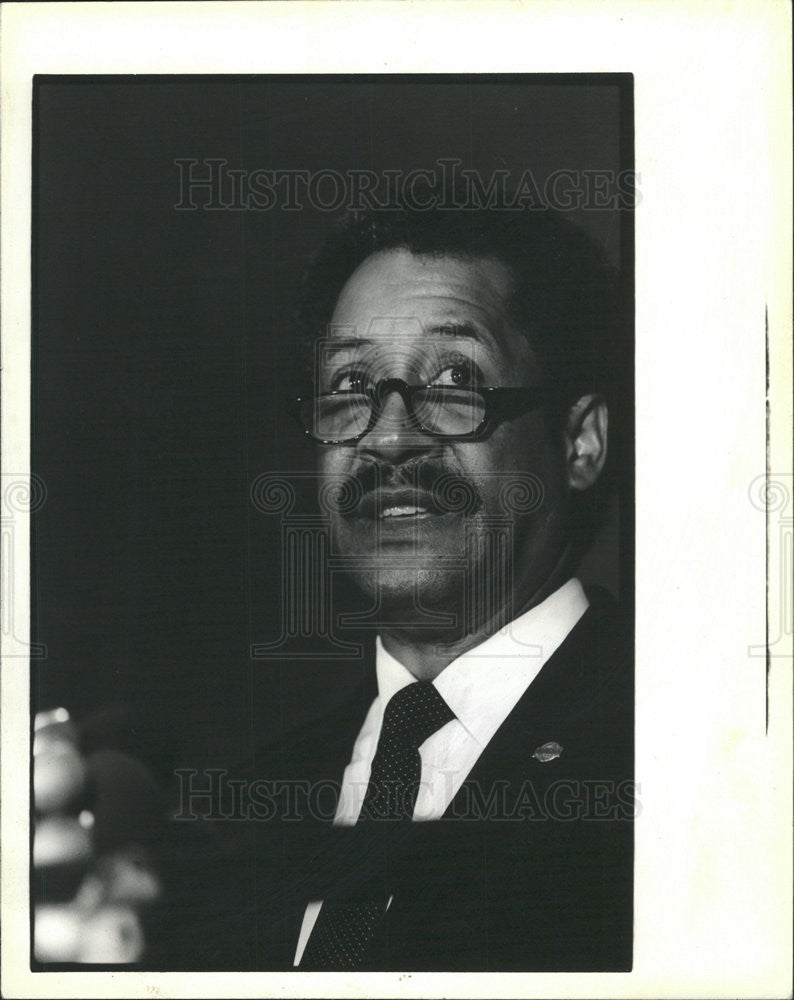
{"type": "Point", "coordinates": [484, 684]}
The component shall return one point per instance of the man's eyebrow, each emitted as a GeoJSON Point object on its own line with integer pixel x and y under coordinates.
{"type": "Point", "coordinates": [466, 331]}
{"type": "Point", "coordinates": [333, 345]}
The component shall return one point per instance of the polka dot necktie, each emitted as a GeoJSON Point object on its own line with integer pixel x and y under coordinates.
{"type": "Point", "coordinates": [344, 928]}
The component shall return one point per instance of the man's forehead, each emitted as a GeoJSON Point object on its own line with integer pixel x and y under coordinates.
{"type": "Point", "coordinates": [395, 292]}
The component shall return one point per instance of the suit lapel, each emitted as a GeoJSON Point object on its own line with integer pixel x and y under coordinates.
{"type": "Point", "coordinates": [556, 724]}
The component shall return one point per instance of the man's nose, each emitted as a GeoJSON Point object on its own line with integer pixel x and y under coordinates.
{"type": "Point", "coordinates": [394, 435]}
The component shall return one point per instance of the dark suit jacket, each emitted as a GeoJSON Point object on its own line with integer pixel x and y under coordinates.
{"type": "Point", "coordinates": [531, 868]}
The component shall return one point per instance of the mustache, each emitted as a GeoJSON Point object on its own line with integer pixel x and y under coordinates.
{"type": "Point", "coordinates": [449, 491]}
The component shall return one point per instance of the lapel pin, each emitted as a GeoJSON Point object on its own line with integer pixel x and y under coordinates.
{"type": "Point", "coordinates": [549, 751]}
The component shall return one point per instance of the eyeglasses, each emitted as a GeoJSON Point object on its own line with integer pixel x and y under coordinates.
{"type": "Point", "coordinates": [443, 411]}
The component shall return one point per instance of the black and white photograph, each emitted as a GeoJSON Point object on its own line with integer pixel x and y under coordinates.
{"type": "Point", "coordinates": [350, 459]}
{"type": "Point", "coordinates": [339, 576]}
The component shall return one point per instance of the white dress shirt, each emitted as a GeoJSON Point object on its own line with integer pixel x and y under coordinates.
{"type": "Point", "coordinates": [481, 687]}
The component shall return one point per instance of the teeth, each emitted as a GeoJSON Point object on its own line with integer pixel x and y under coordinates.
{"type": "Point", "coordinates": [402, 511]}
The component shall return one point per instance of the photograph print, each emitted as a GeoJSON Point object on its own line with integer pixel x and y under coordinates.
{"type": "Point", "coordinates": [332, 565]}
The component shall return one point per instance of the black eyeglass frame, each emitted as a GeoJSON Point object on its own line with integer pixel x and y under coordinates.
{"type": "Point", "coordinates": [501, 403]}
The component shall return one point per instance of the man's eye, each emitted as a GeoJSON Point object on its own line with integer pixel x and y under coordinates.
{"type": "Point", "coordinates": [460, 373]}
{"type": "Point", "coordinates": [351, 380]}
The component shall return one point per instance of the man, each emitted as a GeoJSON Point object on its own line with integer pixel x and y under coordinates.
{"type": "Point", "coordinates": [481, 776]}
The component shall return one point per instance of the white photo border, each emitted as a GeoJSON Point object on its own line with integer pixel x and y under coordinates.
{"type": "Point", "coordinates": [713, 265]}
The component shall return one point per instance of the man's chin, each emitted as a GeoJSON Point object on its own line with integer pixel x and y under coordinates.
{"type": "Point", "coordinates": [420, 597]}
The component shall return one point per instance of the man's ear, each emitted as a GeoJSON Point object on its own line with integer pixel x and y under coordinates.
{"type": "Point", "coordinates": [586, 441]}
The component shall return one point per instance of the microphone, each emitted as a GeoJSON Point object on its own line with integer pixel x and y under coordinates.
{"type": "Point", "coordinates": [90, 800]}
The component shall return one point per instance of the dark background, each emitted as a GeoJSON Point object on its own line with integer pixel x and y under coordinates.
{"type": "Point", "coordinates": [162, 357]}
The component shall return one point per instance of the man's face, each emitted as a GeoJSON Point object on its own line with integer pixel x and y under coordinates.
{"type": "Point", "coordinates": [439, 320]}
